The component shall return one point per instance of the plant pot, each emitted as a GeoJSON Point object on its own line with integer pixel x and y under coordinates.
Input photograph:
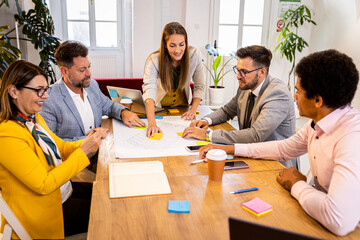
{"type": "Point", "coordinates": [216, 95]}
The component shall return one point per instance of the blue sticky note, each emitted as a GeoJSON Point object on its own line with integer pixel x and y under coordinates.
{"type": "Point", "coordinates": [123, 97]}
{"type": "Point", "coordinates": [113, 93]}
{"type": "Point", "coordinates": [156, 117]}
{"type": "Point", "coordinates": [179, 206]}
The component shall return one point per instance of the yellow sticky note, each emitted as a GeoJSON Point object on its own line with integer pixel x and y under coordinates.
{"type": "Point", "coordinates": [197, 112]}
{"type": "Point", "coordinates": [179, 134]}
{"type": "Point", "coordinates": [157, 136]}
{"type": "Point", "coordinates": [173, 111]}
{"type": "Point", "coordinates": [136, 127]}
{"type": "Point", "coordinates": [202, 143]}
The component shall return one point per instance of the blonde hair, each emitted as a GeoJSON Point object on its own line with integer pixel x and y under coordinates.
{"type": "Point", "coordinates": [165, 62]}
{"type": "Point", "coordinates": [19, 74]}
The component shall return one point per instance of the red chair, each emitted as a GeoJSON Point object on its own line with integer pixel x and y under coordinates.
{"type": "Point", "coordinates": [132, 83]}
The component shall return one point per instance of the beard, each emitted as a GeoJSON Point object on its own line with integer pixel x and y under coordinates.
{"type": "Point", "coordinates": [251, 84]}
{"type": "Point", "coordinates": [81, 83]}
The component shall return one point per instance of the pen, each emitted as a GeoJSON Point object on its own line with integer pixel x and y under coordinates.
{"type": "Point", "coordinates": [197, 161]}
{"type": "Point", "coordinates": [245, 190]}
{"type": "Point", "coordinates": [92, 129]}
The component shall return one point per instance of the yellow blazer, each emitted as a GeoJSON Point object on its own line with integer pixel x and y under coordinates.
{"type": "Point", "coordinates": [29, 185]}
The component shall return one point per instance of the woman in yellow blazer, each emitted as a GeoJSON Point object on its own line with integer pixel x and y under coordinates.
{"type": "Point", "coordinates": [34, 163]}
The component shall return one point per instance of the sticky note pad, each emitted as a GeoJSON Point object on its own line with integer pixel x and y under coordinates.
{"type": "Point", "coordinates": [123, 97]}
{"type": "Point", "coordinates": [136, 127]}
{"type": "Point", "coordinates": [179, 134]}
{"type": "Point", "coordinates": [179, 206]}
{"type": "Point", "coordinates": [157, 136]}
{"type": "Point", "coordinates": [113, 93]}
{"type": "Point", "coordinates": [257, 207]}
{"type": "Point", "coordinates": [202, 143]}
{"type": "Point", "coordinates": [173, 111]}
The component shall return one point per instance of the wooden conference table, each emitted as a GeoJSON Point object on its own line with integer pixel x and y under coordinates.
{"type": "Point", "coordinates": [211, 204]}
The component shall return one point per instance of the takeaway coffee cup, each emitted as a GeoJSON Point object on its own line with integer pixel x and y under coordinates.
{"type": "Point", "coordinates": [216, 162]}
{"type": "Point", "coordinates": [126, 102]}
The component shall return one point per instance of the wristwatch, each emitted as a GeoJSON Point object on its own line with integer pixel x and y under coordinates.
{"type": "Point", "coordinates": [207, 135]}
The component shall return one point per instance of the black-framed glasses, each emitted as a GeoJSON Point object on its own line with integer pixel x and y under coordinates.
{"type": "Point", "coordinates": [40, 91]}
{"type": "Point", "coordinates": [242, 72]}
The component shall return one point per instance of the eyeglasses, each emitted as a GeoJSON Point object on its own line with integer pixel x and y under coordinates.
{"type": "Point", "coordinates": [40, 92]}
{"type": "Point", "coordinates": [242, 72]}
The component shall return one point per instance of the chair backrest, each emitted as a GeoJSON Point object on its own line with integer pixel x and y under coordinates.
{"type": "Point", "coordinates": [13, 223]}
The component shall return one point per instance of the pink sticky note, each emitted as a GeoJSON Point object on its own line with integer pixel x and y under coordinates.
{"type": "Point", "coordinates": [257, 205]}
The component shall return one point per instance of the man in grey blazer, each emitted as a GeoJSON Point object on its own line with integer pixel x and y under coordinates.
{"type": "Point", "coordinates": [76, 104]}
{"type": "Point", "coordinates": [270, 115]}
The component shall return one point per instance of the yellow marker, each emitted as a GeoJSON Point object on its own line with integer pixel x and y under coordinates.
{"type": "Point", "coordinates": [202, 143]}
{"type": "Point", "coordinates": [157, 136]}
{"type": "Point", "coordinates": [173, 111]}
{"type": "Point", "coordinates": [179, 134]}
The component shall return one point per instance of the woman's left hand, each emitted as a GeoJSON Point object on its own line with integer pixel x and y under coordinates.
{"type": "Point", "coordinates": [189, 115]}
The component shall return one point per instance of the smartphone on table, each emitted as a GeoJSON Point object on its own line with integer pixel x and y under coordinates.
{"type": "Point", "coordinates": [193, 148]}
{"type": "Point", "coordinates": [235, 165]}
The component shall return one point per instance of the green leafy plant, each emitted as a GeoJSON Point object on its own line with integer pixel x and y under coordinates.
{"type": "Point", "coordinates": [289, 40]}
{"type": "Point", "coordinates": [215, 73]}
{"type": "Point", "coordinates": [38, 27]}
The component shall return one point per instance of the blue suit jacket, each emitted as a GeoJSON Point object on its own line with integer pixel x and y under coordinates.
{"type": "Point", "coordinates": [62, 116]}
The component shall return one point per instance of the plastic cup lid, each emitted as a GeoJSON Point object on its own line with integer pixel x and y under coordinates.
{"type": "Point", "coordinates": [216, 155]}
{"type": "Point", "coordinates": [126, 100]}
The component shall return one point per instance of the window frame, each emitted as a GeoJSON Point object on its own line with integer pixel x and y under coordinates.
{"type": "Point", "coordinates": [92, 25]}
{"type": "Point", "coordinates": [240, 24]}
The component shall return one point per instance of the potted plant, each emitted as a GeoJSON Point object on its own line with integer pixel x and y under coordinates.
{"type": "Point", "coordinates": [289, 40]}
{"type": "Point", "coordinates": [38, 28]}
{"type": "Point", "coordinates": [216, 92]}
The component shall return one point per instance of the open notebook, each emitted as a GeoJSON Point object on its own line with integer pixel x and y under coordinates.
{"type": "Point", "coordinates": [137, 179]}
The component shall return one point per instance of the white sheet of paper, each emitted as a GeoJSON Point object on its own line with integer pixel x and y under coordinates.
{"type": "Point", "coordinates": [133, 143]}
{"type": "Point", "coordinates": [137, 179]}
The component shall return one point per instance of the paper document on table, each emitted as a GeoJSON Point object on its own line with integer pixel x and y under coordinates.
{"type": "Point", "coordinates": [137, 179]}
{"type": "Point", "coordinates": [133, 143]}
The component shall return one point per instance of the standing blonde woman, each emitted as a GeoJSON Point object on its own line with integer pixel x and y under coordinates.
{"type": "Point", "coordinates": [36, 165]}
{"type": "Point", "coordinates": [167, 76]}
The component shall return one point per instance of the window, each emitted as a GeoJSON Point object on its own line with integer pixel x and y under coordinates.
{"type": "Point", "coordinates": [240, 23]}
{"type": "Point", "coordinates": [95, 23]}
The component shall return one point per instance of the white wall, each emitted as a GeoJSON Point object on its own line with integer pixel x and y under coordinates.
{"type": "Point", "coordinates": [339, 28]}
{"type": "Point", "coordinates": [149, 21]}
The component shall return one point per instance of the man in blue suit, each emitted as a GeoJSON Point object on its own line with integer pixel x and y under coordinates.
{"type": "Point", "coordinates": [76, 104]}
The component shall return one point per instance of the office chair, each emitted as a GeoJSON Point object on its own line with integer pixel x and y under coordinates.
{"type": "Point", "coordinates": [13, 223]}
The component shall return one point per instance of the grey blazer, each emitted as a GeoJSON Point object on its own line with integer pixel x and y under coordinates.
{"type": "Point", "coordinates": [62, 117]}
{"type": "Point", "coordinates": [152, 84]}
{"type": "Point", "coordinates": [272, 118]}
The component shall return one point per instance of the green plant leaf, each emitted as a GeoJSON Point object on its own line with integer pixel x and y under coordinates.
{"type": "Point", "coordinates": [216, 63]}
{"type": "Point", "coordinates": [38, 27]}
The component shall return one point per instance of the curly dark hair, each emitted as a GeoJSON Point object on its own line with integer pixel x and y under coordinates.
{"type": "Point", "coordinates": [69, 50]}
{"type": "Point", "coordinates": [329, 74]}
{"type": "Point", "coordinates": [261, 55]}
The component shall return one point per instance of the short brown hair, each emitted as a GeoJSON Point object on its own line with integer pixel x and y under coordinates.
{"type": "Point", "coordinates": [261, 55]}
{"type": "Point", "coordinates": [69, 50]}
{"type": "Point", "coordinates": [19, 74]}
